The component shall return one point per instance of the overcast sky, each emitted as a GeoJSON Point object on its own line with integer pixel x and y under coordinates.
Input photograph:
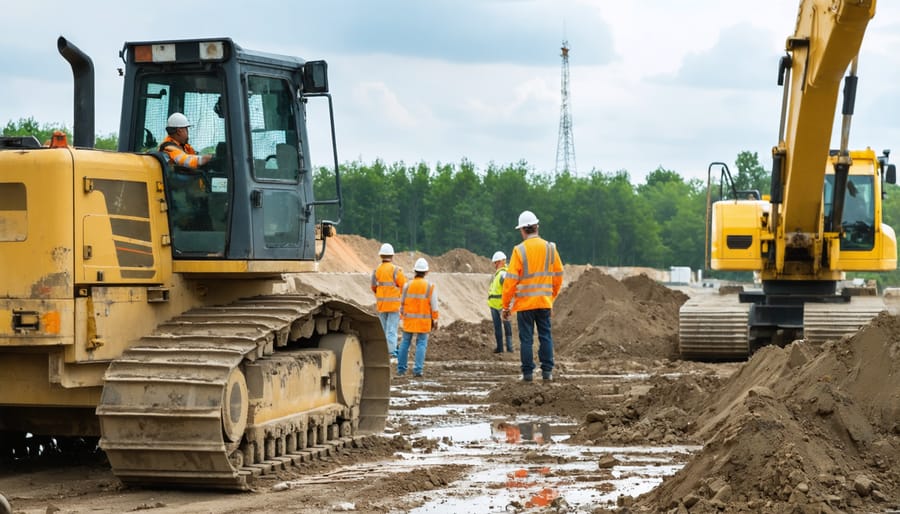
{"type": "Point", "coordinates": [652, 82]}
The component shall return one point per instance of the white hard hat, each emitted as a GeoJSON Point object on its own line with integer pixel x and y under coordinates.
{"type": "Point", "coordinates": [421, 265]}
{"type": "Point", "coordinates": [498, 256]}
{"type": "Point", "coordinates": [177, 120]}
{"type": "Point", "coordinates": [386, 249]}
{"type": "Point", "coordinates": [526, 219]}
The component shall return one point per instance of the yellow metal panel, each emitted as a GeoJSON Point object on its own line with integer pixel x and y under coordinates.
{"type": "Point", "coordinates": [42, 260]}
{"type": "Point", "coordinates": [56, 322]}
{"type": "Point", "coordinates": [738, 219]}
{"type": "Point", "coordinates": [26, 381]}
{"type": "Point", "coordinates": [119, 218]}
{"type": "Point", "coordinates": [246, 267]}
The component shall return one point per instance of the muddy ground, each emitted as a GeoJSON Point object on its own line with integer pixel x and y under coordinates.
{"type": "Point", "coordinates": [624, 426]}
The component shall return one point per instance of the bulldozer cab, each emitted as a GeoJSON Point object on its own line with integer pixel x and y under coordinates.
{"type": "Point", "coordinates": [254, 199]}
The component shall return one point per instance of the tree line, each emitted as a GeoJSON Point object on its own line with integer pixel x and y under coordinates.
{"type": "Point", "coordinates": [598, 218]}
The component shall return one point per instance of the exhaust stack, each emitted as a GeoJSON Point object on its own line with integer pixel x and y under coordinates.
{"type": "Point", "coordinates": [83, 72]}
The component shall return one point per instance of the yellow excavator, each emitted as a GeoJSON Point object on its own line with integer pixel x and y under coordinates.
{"type": "Point", "coordinates": [149, 308]}
{"type": "Point", "coordinates": [823, 217]}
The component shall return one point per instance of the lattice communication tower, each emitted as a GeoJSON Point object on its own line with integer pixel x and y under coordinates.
{"type": "Point", "coordinates": [565, 146]}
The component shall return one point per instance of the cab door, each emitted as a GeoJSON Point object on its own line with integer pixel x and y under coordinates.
{"type": "Point", "coordinates": [279, 221]}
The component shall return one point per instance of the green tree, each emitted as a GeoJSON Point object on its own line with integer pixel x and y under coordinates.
{"type": "Point", "coordinates": [107, 142]}
{"type": "Point", "coordinates": [31, 127]}
{"type": "Point", "coordinates": [751, 174]}
{"type": "Point", "coordinates": [44, 131]}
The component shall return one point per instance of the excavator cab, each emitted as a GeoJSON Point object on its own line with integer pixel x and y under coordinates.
{"type": "Point", "coordinates": [253, 201]}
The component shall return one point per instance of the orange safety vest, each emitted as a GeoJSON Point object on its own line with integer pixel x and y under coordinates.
{"type": "Point", "coordinates": [180, 155]}
{"type": "Point", "coordinates": [534, 277]}
{"type": "Point", "coordinates": [387, 281]}
{"type": "Point", "coordinates": [419, 306]}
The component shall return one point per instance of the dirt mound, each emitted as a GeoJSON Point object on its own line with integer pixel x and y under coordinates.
{"type": "Point", "coordinates": [349, 253]}
{"type": "Point", "coordinates": [598, 316]}
{"type": "Point", "coordinates": [538, 398]}
{"type": "Point", "coordinates": [352, 253]}
{"type": "Point", "coordinates": [662, 415]}
{"type": "Point", "coordinates": [465, 341]}
{"type": "Point", "coordinates": [460, 260]}
{"type": "Point", "coordinates": [800, 429]}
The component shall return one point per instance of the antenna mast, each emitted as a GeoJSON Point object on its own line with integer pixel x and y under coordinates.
{"type": "Point", "coordinates": [565, 146]}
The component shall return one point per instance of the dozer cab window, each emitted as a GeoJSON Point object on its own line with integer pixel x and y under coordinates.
{"type": "Point", "coordinates": [858, 220]}
{"type": "Point", "coordinates": [198, 198]}
{"type": "Point", "coordinates": [275, 145]}
{"type": "Point", "coordinates": [273, 130]}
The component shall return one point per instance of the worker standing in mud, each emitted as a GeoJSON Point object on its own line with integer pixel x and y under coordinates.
{"type": "Point", "coordinates": [387, 282]}
{"type": "Point", "coordinates": [419, 311]}
{"type": "Point", "coordinates": [495, 302]}
{"type": "Point", "coordinates": [533, 281]}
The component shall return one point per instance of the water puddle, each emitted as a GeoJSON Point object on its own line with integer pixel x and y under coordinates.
{"type": "Point", "coordinates": [517, 464]}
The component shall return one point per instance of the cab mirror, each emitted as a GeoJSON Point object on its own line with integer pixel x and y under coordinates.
{"type": "Point", "coordinates": [315, 77]}
{"type": "Point", "coordinates": [890, 176]}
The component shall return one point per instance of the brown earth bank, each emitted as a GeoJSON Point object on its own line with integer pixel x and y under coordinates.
{"type": "Point", "coordinates": [798, 429]}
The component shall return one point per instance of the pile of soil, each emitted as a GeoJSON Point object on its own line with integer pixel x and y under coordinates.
{"type": "Point", "coordinates": [356, 254]}
{"type": "Point", "coordinates": [462, 340]}
{"type": "Point", "coordinates": [540, 399]}
{"type": "Point", "coordinates": [601, 317]}
{"type": "Point", "coordinates": [595, 317]}
{"type": "Point", "coordinates": [799, 429]}
{"type": "Point", "coordinates": [664, 414]}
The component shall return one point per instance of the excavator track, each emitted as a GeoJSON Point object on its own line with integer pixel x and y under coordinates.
{"type": "Point", "coordinates": [716, 328]}
{"type": "Point", "coordinates": [827, 321]}
{"type": "Point", "coordinates": [219, 395]}
{"type": "Point", "coordinates": [713, 328]}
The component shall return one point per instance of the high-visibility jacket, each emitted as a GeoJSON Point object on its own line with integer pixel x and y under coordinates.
{"type": "Point", "coordinates": [534, 277]}
{"type": "Point", "coordinates": [387, 282]}
{"type": "Point", "coordinates": [419, 306]}
{"type": "Point", "coordinates": [180, 155]}
{"type": "Point", "coordinates": [495, 293]}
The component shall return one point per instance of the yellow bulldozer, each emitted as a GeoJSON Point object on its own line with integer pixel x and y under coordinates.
{"type": "Point", "coordinates": [145, 306]}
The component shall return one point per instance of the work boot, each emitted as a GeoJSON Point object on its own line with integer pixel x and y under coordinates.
{"type": "Point", "coordinates": [527, 378]}
{"type": "Point", "coordinates": [498, 350]}
{"type": "Point", "coordinates": [547, 377]}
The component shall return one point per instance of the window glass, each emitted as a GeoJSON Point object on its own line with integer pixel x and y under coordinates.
{"type": "Point", "coordinates": [281, 219]}
{"type": "Point", "coordinates": [198, 198]}
{"type": "Point", "coordinates": [858, 219]}
{"type": "Point", "coordinates": [273, 134]}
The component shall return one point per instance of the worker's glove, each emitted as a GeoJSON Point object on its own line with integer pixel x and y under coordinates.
{"type": "Point", "coordinates": [434, 325]}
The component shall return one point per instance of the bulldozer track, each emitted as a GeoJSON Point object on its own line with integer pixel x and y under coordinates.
{"type": "Point", "coordinates": [197, 402]}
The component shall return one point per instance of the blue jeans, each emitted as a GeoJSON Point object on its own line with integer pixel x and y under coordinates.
{"type": "Point", "coordinates": [389, 322]}
{"type": "Point", "coordinates": [526, 321]}
{"type": "Point", "coordinates": [403, 357]}
{"type": "Point", "coordinates": [501, 327]}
